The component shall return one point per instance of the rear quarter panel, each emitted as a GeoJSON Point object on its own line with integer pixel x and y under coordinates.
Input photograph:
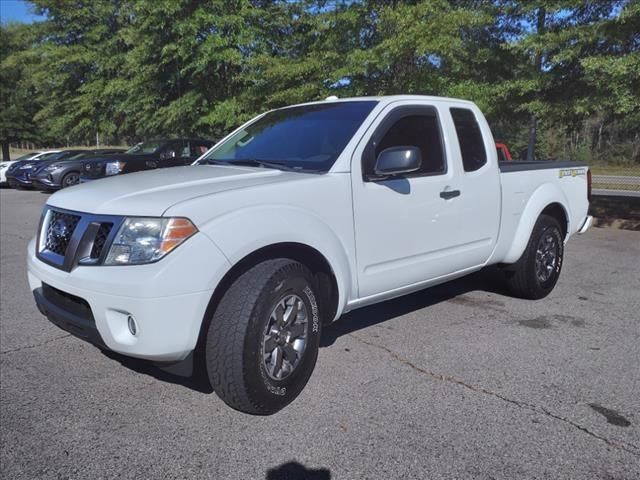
{"type": "Point", "coordinates": [525, 194]}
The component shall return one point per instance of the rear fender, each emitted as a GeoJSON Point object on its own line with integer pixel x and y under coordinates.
{"type": "Point", "coordinates": [544, 196]}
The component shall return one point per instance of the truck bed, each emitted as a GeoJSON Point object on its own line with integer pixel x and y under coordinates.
{"type": "Point", "coordinates": [527, 188]}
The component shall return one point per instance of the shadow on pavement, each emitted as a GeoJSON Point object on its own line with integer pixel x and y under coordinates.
{"type": "Point", "coordinates": [488, 280]}
{"type": "Point", "coordinates": [192, 374]}
{"type": "Point", "coordinates": [618, 212]}
{"type": "Point", "coordinates": [296, 471]}
{"type": "Point", "coordinates": [185, 373]}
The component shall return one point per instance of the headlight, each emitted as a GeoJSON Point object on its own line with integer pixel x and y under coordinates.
{"type": "Point", "coordinates": [3, 166]}
{"type": "Point", "coordinates": [114, 168]}
{"type": "Point", "coordinates": [52, 167]}
{"type": "Point", "coordinates": [26, 167]}
{"type": "Point", "coordinates": [146, 240]}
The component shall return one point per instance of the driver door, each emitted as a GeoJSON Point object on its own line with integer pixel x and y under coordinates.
{"type": "Point", "coordinates": [409, 228]}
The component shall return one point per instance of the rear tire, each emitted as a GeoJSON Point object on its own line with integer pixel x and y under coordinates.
{"type": "Point", "coordinates": [537, 271]}
{"type": "Point", "coordinates": [262, 341]}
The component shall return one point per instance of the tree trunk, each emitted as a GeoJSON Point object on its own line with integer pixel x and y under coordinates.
{"type": "Point", "coordinates": [533, 132]}
{"type": "Point", "coordinates": [6, 156]}
{"type": "Point", "coordinates": [600, 137]}
{"type": "Point", "coordinates": [533, 119]}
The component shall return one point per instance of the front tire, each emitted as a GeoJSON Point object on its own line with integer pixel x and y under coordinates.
{"type": "Point", "coordinates": [537, 271]}
{"type": "Point", "coordinates": [262, 342]}
{"type": "Point", "coordinates": [70, 179]}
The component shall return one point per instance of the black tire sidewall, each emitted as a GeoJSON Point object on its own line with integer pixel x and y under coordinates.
{"type": "Point", "coordinates": [270, 394]}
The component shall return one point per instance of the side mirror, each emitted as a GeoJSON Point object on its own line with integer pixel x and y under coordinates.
{"type": "Point", "coordinates": [167, 155]}
{"type": "Point", "coordinates": [398, 160]}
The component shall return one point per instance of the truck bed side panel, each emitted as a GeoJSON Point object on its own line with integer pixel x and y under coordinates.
{"type": "Point", "coordinates": [526, 193]}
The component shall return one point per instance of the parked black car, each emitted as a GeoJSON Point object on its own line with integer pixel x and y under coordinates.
{"type": "Point", "coordinates": [61, 173]}
{"type": "Point", "coordinates": [146, 156]}
{"type": "Point", "coordinates": [19, 174]}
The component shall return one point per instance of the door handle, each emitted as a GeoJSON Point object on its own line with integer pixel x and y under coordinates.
{"type": "Point", "coordinates": [447, 194]}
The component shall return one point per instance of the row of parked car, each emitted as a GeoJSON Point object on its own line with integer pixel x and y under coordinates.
{"type": "Point", "coordinates": [57, 169]}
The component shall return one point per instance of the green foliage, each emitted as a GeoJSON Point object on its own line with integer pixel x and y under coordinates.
{"type": "Point", "coordinates": [134, 69]}
{"type": "Point", "coordinates": [17, 105]}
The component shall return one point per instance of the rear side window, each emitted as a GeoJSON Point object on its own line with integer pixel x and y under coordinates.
{"type": "Point", "coordinates": [474, 156]}
{"type": "Point", "coordinates": [179, 147]}
{"type": "Point", "coordinates": [199, 148]}
{"type": "Point", "coordinates": [415, 130]}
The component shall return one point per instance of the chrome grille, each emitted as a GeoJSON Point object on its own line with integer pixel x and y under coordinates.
{"type": "Point", "coordinates": [67, 239]}
{"type": "Point", "coordinates": [59, 231]}
{"type": "Point", "coordinates": [100, 240]}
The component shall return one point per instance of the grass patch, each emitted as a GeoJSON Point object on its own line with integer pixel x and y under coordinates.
{"type": "Point", "coordinates": [631, 171]}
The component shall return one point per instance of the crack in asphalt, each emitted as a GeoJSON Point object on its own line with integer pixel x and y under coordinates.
{"type": "Point", "coordinates": [625, 446]}
{"type": "Point", "coordinates": [25, 347]}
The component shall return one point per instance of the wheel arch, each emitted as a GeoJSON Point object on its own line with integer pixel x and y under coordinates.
{"type": "Point", "coordinates": [548, 199]}
{"type": "Point", "coordinates": [557, 211]}
{"type": "Point", "coordinates": [305, 254]}
{"type": "Point", "coordinates": [66, 174]}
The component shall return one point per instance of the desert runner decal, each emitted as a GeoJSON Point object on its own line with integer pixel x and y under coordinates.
{"type": "Point", "coordinates": [571, 172]}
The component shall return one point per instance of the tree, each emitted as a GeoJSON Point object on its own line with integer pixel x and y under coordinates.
{"type": "Point", "coordinates": [552, 39]}
{"type": "Point", "coordinates": [552, 76]}
{"type": "Point", "coordinates": [16, 90]}
{"type": "Point", "coordinates": [80, 56]}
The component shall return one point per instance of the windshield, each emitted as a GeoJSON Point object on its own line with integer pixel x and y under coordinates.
{"type": "Point", "coordinates": [59, 155]}
{"type": "Point", "coordinates": [79, 155]}
{"type": "Point", "coordinates": [48, 156]}
{"type": "Point", "coordinates": [27, 156]}
{"type": "Point", "coordinates": [309, 137]}
{"type": "Point", "coordinates": [144, 148]}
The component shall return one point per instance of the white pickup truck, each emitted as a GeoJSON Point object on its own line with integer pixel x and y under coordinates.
{"type": "Point", "coordinates": [295, 218]}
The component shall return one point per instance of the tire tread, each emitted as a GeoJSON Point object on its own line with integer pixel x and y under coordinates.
{"type": "Point", "coordinates": [227, 332]}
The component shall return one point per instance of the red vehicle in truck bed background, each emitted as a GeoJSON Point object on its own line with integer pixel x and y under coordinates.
{"type": "Point", "coordinates": [504, 155]}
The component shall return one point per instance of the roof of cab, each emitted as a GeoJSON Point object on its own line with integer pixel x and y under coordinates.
{"type": "Point", "coordinates": [386, 99]}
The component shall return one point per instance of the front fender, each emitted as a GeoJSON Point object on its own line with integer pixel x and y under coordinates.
{"type": "Point", "coordinates": [541, 198]}
{"type": "Point", "coordinates": [246, 230]}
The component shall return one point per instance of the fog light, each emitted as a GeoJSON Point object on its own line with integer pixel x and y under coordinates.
{"type": "Point", "coordinates": [132, 325]}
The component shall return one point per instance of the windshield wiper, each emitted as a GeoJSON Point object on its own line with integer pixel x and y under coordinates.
{"type": "Point", "coordinates": [211, 161]}
{"type": "Point", "coordinates": [252, 162]}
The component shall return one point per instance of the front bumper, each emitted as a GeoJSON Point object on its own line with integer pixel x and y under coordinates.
{"type": "Point", "coordinates": [167, 300]}
{"type": "Point", "coordinates": [45, 181]}
{"type": "Point", "coordinates": [69, 313]}
{"type": "Point", "coordinates": [19, 181]}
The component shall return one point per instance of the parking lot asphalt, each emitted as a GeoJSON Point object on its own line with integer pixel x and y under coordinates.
{"type": "Point", "coordinates": [458, 381]}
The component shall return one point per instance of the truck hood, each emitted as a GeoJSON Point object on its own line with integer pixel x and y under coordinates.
{"type": "Point", "coordinates": [151, 193]}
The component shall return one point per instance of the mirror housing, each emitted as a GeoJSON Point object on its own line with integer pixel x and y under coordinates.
{"type": "Point", "coordinates": [398, 160]}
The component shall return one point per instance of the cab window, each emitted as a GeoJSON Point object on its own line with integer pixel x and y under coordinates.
{"type": "Point", "coordinates": [474, 156]}
{"type": "Point", "coordinates": [415, 127]}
